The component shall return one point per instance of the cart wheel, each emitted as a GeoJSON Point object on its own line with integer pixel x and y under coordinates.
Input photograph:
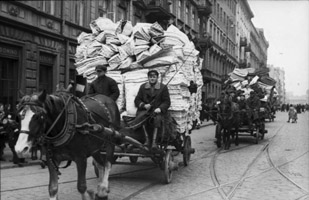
{"type": "Point", "coordinates": [187, 151]}
{"type": "Point", "coordinates": [263, 131]}
{"type": "Point", "coordinates": [218, 135]}
{"type": "Point", "coordinates": [262, 136]}
{"type": "Point", "coordinates": [168, 171]}
{"type": "Point", "coordinates": [257, 135]}
{"type": "Point", "coordinates": [133, 159]}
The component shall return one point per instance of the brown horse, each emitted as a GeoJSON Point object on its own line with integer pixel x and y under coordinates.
{"type": "Point", "coordinates": [228, 119]}
{"type": "Point", "coordinates": [71, 129]}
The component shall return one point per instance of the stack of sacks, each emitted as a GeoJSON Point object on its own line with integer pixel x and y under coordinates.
{"type": "Point", "coordinates": [249, 79]}
{"type": "Point", "coordinates": [131, 52]}
{"type": "Point", "coordinates": [116, 75]}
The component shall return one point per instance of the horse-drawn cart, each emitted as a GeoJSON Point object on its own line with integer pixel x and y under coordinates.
{"type": "Point", "coordinates": [239, 123]}
{"type": "Point", "coordinates": [169, 144]}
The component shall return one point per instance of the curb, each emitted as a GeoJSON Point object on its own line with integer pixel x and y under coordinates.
{"type": "Point", "coordinates": [10, 166]}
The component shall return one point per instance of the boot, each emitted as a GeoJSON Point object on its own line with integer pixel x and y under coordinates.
{"type": "Point", "coordinates": [154, 139]}
{"type": "Point", "coordinates": [146, 143]}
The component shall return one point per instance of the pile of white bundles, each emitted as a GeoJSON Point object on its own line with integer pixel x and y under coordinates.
{"type": "Point", "coordinates": [249, 79]}
{"type": "Point", "coordinates": [131, 52]}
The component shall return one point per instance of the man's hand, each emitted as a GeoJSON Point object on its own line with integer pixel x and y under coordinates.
{"type": "Point", "coordinates": [157, 110]}
{"type": "Point", "coordinates": [147, 106]}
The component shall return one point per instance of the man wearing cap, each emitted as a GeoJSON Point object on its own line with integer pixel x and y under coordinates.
{"type": "Point", "coordinates": [243, 107]}
{"type": "Point", "coordinates": [104, 84]}
{"type": "Point", "coordinates": [153, 96]}
{"type": "Point", "coordinates": [254, 105]}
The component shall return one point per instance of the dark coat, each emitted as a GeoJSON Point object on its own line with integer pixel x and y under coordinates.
{"type": "Point", "coordinates": [145, 96]}
{"type": "Point", "coordinates": [242, 105]}
{"type": "Point", "coordinates": [254, 102]}
{"type": "Point", "coordinates": [106, 86]}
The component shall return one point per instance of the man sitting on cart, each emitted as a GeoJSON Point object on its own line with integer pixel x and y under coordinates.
{"type": "Point", "coordinates": [153, 97]}
{"type": "Point", "coordinates": [254, 105]}
{"type": "Point", "coordinates": [243, 109]}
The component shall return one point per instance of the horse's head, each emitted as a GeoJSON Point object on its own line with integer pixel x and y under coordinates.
{"type": "Point", "coordinates": [224, 110]}
{"type": "Point", "coordinates": [33, 119]}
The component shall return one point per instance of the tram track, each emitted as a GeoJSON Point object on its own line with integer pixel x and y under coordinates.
{"type": "Point", "coordinates": [282, 174]}
{"type": "Point", "coordinates": [238, 182]}
{"type": "Point", "coordinates": [213, 154]}
{"type": "Point", "coordinates": [244, 175]}
{"type": "Point", "coordinates": [218, 185]}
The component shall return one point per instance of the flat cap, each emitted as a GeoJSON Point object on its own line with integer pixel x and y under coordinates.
{"type": "Point", "coordinates": [101, 67]}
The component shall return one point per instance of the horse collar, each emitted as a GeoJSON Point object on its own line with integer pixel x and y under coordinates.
{"type": "Point", "coordinates": [68, 130]}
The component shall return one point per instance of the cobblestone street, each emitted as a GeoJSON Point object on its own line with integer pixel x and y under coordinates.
{"type": "Point", "coordinates": [276, 168]}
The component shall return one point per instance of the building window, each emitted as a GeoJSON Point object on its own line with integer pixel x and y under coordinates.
{"type": "Point", "coordinates": [193, 20]}
{"type": "Point", "coordinates": [121, 13]}
{"type": "Point", "coordinates": [45, 78]}
{"type": "Point", "coordinates": [48, 6]}
{"type": "Point", "coordinates": [187, 15]}
{"type": "Point", "coordinates": [8, 81]}
{"type": "Point", "coordinates": [81, 13]}
{"type": "Point", "coordinates": [171, 7]}
{"type": "Point", "coordinates": [179, 11]}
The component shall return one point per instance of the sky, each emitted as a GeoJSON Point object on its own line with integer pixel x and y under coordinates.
{"type": "Point", "coordinates": [286, 28]}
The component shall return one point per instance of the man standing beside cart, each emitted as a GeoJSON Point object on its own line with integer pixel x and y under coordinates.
{"type": "Point", "coordinates": [153, 97]}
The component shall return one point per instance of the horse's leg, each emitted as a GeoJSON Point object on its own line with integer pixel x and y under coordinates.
{"type": "Point", "coordinates": [104, 172]}
{"type": "Point", "coordinates": [81, 165]}
{"type": "Point", "coordinates": [53, 179]}
{"type": "Point", "coordinates": [236, 139]}
{"type": "Point", "coordinates": [227, 138]}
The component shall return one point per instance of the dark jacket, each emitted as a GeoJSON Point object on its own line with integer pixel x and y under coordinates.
{"type": "Point", "coordinates": [242, 105]}
{"type": "Point", "coordinates": [145, 96]}
{"type": "Point", "coordinates": [106, 86]}
{"type": "Point", "coordinates": [254, 102]}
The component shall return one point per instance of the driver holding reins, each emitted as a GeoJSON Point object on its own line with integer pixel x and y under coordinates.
{"type": "Point", "coordinates": [153, 97]}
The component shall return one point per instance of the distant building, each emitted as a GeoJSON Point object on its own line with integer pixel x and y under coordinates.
{"type": "Point", "coordinates": [278, 74]}
{"type": "Point", "coordinates": [251, 43]}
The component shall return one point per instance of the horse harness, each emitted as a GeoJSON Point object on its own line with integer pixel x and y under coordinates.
{"type": "Point", "coordinates": [70, 122]}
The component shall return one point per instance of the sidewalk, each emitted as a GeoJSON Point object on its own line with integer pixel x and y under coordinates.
{"type": "Point", "coordinates": [8, 155]}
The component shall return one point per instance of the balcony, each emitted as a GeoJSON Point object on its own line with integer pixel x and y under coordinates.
{"type": "Point", "coordinates": [157, 10]}
{"type": "Point", "coordinates": [243, 63]}
{"type": "Point", "coordinates": [204, 7]}
{"type": "Point", "coordinates": [248, 48]}
{"type": "Point", "coordinates": [207, 75]}
{"type": "Point", "coordinates": [204, 42]}
{"type": "Point", "coordinates": [139, 3]}
{"type": "Point", "coordinates": [243, 41]}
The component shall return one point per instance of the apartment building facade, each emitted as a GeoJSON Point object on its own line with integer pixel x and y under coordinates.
{"type": "Point", "coordinates": [278, 74]}
{"type": "Point", "coordinates": [221, 56]}
{"type": "Point", "coordinates": [38, 38]}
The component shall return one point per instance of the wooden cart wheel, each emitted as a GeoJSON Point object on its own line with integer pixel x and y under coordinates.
{"type": "Point", "coordinates": [218, 135]}
{"type": "Point", "coordinates": [168, 171]}
{"type": "Point", "coordinates": [187, 150]}
{"type": "Point", "coordinates": [133, 159]}
{"type": "Point", "coordinates": [257, 135]}
{"type": "Point", "coordinates": [263, 130]}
